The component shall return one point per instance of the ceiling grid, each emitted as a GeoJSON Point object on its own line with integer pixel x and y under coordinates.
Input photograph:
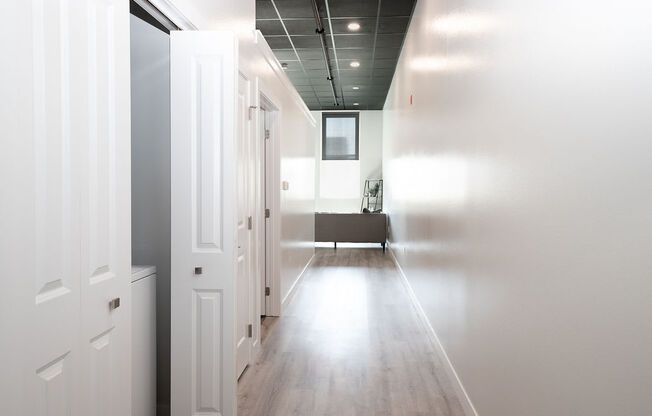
{"type": "Point", "coordinates": [289, 28]}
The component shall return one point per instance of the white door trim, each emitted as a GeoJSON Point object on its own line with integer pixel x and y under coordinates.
{"type": "Point", "coordinates": [246, 196]}
{"type": "Point", "coordinates": [272, 190]}
{"type": "Point", "coordinates": [169, 10]}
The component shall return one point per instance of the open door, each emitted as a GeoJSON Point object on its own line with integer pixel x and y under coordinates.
{"type": "Point", "coordinates": [65, 209]}
{"type": "Point", "coordinates": [204, 82]}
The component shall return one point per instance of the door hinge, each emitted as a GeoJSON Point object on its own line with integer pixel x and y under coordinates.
{"type": "Point", "coordinates": [250, 330]}
{"type": "Point", "coordinates": [267, 291]}
{"type": "Point", "coordinates": [250, 223]}
{"type": "Point", "coordinates": [251, 108]}
{"type": "Point", "coordinates": [267, 213]}
{"type": "Point", "coordinates": [266, 134]}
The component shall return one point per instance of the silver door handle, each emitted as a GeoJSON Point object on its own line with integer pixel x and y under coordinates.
{"type": "Point", "coordinates": [114, 304]}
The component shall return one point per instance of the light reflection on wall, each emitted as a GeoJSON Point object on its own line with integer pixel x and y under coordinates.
{"type": "Point", "coordinates": [444, 63]}
{"type": "Point", "coordinates": [438, 180]}
{"type": "Point", "coordinates": [464, 24]}
{"type": "Point", "coordinates": [339, 179]}
{"type": "Point", "coordinates": [293, 170]}
{"type": "Point", "coordinates": [455, 25]}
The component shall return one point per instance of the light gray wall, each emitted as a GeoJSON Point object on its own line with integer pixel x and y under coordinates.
{"type": "Point", "coordinates": [150, 152]}
{"type": "Point", "coordinates": [345, 171]}
{"type": "Point", "coordinates": [520, 198]}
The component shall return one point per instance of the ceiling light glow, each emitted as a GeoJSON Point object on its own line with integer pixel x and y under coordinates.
{"type": "Point", "coordinates": [356, 103]}
{"type": "Point", "coordinates": [356, 88]}
{"type": "Point", "coordinates": [353, 26]}
{"type": "Point", "coordinates": [355, 64]}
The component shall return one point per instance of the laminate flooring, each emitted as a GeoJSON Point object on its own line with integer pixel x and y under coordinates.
{"type": "Point", "coordinates": [349, 343]}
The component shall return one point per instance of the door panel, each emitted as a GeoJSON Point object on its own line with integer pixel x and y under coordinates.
{"type": "Point", "coordinates": [203, 214]}
{"type": "Point", "coordinates": [69, 88]}
{"type": "Point", "coordinates": [106, 211]}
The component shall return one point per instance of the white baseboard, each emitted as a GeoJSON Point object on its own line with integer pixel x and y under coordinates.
{"type": "Point", "coordinates": [293, 290]}
{"type": "Point", "coordinates": [467, 405]}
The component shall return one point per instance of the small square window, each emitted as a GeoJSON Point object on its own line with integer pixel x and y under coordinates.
{"type": "Point", "coordinates": [340, 136]}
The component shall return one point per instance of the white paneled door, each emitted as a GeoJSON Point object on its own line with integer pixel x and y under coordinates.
{"type": "Point", "coordinates": [204, 234]}
{"type": "Point", "coordinates": [245, 191]}
{"type": "Point", "coordinates": [65, 208]}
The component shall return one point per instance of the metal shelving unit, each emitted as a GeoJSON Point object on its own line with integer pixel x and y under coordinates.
{"type": "Point", "coordinates": [372, 197]}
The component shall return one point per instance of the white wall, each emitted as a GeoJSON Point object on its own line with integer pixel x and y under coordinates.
{"type": "Point", "coordinates": [150, 183]}
{"type": "Point", "coordinates": [520, 200]}
{"type": "Point", "coordinates": [339, 184]}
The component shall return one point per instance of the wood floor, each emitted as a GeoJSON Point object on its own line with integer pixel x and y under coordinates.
{"type": "Point", "coordinates": [349, 343]}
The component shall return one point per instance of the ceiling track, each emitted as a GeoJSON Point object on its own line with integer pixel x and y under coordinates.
{"type": "Point", "coordinates": [322, 38]}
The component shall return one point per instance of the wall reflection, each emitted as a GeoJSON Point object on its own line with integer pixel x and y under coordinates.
{"type": "Point", "coordinates": [437, 180]}
{"type": "Point", "coordinates": [464, 24]}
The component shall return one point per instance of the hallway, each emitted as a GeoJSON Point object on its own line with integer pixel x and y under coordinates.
{"type": "Point", "coordinates": [350, 343]}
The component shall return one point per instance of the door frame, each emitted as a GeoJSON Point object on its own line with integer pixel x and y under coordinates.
{"type": "Point", "coordinates": [271, 227]}
{"type": "Point", "coordinates": [249, 160]}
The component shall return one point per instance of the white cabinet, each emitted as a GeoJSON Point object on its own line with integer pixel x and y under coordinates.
{"type": "Point", "coordinates": [143, 341]}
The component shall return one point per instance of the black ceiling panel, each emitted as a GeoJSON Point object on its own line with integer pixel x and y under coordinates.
{"type": "Point", "coordinates": [306, 42]}
{"type": "Point", "coordinates": [265, 10]}
{"type": "Point", "coordinates": [285, 55]}
{"type": "Point", "coordinates": [309, 54]}
{"type": "Point", "coordinates": [294, 8]}
{"type": "Point", "coordinates": [270, 27]}
{"type": "Point", "coordinates": [278, 42]}
{"type": "Point", "coordinates": [387, 53]}
{"type": "Point", "coordinates": [354, 54]}
{"type": "Point", "coordinates": [375, 45]}
{"type": "Point", "coordinates": [393, 24]}
{"type": "Point", "coordinates": [396, 8]}
{"type": "Point", "coordinates": [353, 8]}
{"type": "Point", "coordinates": [301, 27]}
{"type": "Point", "coordinates": [352, 41]}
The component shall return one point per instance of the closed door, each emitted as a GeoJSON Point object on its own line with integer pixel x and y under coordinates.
{"type": "Point", "coordinates": [245, 189]}
{"type": "Point", "coordinates": [65, 248]}
{"type": "Point", "coordinates": [204, 102]}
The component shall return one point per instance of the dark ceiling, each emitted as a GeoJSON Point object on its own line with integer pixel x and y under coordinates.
{"type": "Point", "coordinates": [376, 46]}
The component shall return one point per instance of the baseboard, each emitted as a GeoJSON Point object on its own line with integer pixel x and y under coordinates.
{"type": "Point", "coordinates": [465, 401]}
{"type": "Point", "coordinates": [286, 300]}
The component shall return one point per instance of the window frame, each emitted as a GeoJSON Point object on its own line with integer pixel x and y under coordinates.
{"type": "Point", "coordinates": [326, 116]}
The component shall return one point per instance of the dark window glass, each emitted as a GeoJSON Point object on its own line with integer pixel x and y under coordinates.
{"type": "Point", "coordinates": [339, 136]}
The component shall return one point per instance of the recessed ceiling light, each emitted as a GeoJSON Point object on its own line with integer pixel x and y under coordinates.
{"type": "Point", "coordinates": [356, 88]}
{"type": "Point", "coordinates": [356, 103]}
{"type": "Point", "coordinates": [284, 65]}
{"type": "Point", "coordinates": [354, 64]}
{"type": "Point", "coordinates": [353, 26]}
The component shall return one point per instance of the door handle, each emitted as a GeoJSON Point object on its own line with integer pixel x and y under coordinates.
{"type": "Point", "coordinates": [114, 304]}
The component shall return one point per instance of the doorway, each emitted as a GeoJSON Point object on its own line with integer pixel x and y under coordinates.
{"type": "Point", "coordinates": [150, 211]}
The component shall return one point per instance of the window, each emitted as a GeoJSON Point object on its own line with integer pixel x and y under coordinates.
{"type": "Point", "coordinates": [339, 139]}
